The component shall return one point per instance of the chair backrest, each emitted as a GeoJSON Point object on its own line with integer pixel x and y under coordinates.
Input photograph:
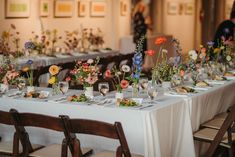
{"type": "Point", "coordinates": [98, 128]}
{"type": "Point", "coordinates": [224, 128]}
{"type": "Point", "coordinates": [22, 120]}
{"type": "Point", "coordinates": [5, 118]}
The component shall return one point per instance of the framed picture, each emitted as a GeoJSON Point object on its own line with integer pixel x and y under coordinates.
{"type": "Point", "coordinates": [98, 8]}
{"type": "Point", "coordinates": [189, 8]}
{"type": "Point", "coordinates": [123, 8]}
{"type": "Point", "coordinates": [64, 8]}
{"type": "Point", "coordinates": [82, 8]}
{"type": "Point", "coordinates": [17, 8]}
{"type": "Point", "coordinates": [172, 8]}
{"type": "Point", "coordinates": [44, 8]}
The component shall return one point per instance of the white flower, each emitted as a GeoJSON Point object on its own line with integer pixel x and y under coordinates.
{"type": "Point", "coordinates": [90, 61]}
{"type": "Point", "coordinates": [193, 54]}
{"type": "Point", "coordinates": [228, 58]}
{"type": "Point", "coordinates": [126, 68]}
{"type": "Point", "coordinates": [164, 51]}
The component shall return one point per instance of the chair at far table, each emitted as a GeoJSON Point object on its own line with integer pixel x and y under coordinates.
{"type": "Point", "coordinates": [22, 120]}
{"type": "Point", "coordinates": [9, 147]}
{"type": "Point", "coordinates": [219, 137]}
{"type": "Point", "coordinates": [97, 128]}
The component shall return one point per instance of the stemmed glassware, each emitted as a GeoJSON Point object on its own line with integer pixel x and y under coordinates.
{"type": "Point", "coordinates": [64, 87]}
{"type": "Point", "coordinates": [21, 83]}
{"type": "Point", "coordinates": [103, 88]}
{"type": "Point", "coordinates": [152, 91]}
{"type": "Point", "coordinates": [143, 83]}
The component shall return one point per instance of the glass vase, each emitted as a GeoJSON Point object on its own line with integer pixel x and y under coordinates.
{"type": "Point", "coordinates": [89, 92]}
{"type": "Point", "coordinates": [55, 89]}
{"type": "Point", "coordinates": [135, 90]}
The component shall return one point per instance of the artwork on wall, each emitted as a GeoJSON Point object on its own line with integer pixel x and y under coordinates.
{"type": "Point", "coordinates": [98, 8]}
{"type": "Point", "coordinates": [64, 8]}
{"type": "Point", "coordinates": [44, 8]}
{"type": "Point", "coordinates": [189, 8]}
{"type": "Point", "coordinates": [123, 7]}
{"type": "Point", "coordinates": [82, 8]}
{"type": "Point", "coordinates": [17, 8]}
{"type": "Point", "coordinates": [172, 8]}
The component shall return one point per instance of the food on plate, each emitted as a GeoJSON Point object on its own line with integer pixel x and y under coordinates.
{"type": "Point", "coordinates": [128, 103]}
{"type": "Point", "coordinates": [78, 98]}
{"type": "Point", "coordinates": [32, 94]}
{"type": "Point", "coordinates": [229, 74]}
{"type": "Point", "coordinates": [219, 78]}
{"type": "Point", "coordinates": [184, 89]}
{"type": "Point", "coordinates": [202, 84]}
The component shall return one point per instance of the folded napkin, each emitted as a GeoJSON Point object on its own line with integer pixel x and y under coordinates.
{"type": "Point", "coordinates": [230, 77]}
{"type": "Point", "coordinates": [176, 94]}
{"type": "Point", "coordinates": [216, 82]}
{"type": "Point", "coordinates": [201, 88]}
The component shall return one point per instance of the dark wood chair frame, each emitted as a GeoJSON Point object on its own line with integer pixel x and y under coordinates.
{"type": "Point", "coordinates": [227, 126]}
{"type": "Point", "coordinates": [84, 126]}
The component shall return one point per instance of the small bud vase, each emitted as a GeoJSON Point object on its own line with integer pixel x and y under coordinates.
{"type": "Point", "coordinates": [55, 89]}
{"type": "Point", "coordinates": [89, 92]}
{"type": "Point", "coordinates": [4, 88]}
{"type": "Point", "coordinates": [135, 90]}
{"type": "Point", "coordinates": [118, 97]}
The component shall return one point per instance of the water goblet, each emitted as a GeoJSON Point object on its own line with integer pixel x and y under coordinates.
{"type": "Point", "coordinates": [64, 87]}
{"type": "Point", "coordinates": [21, 84]}
{"type": "Point", "coordinates": [143, 83]}
{"type": "Point", "coordinates": [152, 92]}
{"type": "Point", "coordinates": [103, 88]}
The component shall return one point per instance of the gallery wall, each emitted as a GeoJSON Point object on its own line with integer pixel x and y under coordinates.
{"type": "Point", "coordinates": [114, 25]}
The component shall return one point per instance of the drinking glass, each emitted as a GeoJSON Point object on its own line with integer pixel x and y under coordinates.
{"type": "Point", "coordinates": [103, 88]}
{"type": "Point", "coordinates": [21, 84]}
{"type": "Point", "coordinates": [143, 83]}
{"type": "Point", "coordinates": [64, 87]}
{"type": "Point", "coordinates": [152, 91]}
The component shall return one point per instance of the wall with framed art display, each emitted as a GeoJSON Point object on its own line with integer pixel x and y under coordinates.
{"type": "Point", "coordinates": [36, 15]}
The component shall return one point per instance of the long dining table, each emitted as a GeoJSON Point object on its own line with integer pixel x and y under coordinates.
{"type": "Point", "coordinates": [160, 128]}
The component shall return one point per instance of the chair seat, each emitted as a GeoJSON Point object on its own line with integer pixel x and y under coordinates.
{"type": "Point", "coordinates": [110, 154]}
{"type": "Point", "coordinates": [208, 134]}
{"type": "Point", "coordinates": [54, 150]}
{"type": "Point", "coordinates": [216, 122]}
{"type": "Point", "coordinates": [7, 147]}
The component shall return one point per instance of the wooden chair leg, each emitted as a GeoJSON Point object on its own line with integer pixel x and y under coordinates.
{"type": "Point", "coordinates": [16, 143]}
{"type": "Point", "coordinates": [64, 149]}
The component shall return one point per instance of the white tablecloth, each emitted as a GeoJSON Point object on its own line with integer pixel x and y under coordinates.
{"type": "Point", "coordinates": [163, 130]}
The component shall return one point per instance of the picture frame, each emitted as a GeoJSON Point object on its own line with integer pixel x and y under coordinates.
{"type": "Point", "coordinates": [189, 8]}
{"type": "Point", "coordinates": [17, 8]}
{"type": "Point", "coordinates": [172, 8]}
{"type": "Point", "coordinates": [64, 8]}
{"type": "Point", "coordinates": [123, 8]}
{"type": "Point", "coordinates": [82, 8]}
{"type": "Point", "coordinates": [44, 8]}
{"type": "Point", "coordinates": [98, 9]}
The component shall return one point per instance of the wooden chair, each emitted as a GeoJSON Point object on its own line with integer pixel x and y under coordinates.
{"type": "Point", "coordinates": [12, 148]}
{"type": "Point", "coordinates": [219, 137]}
{"type": "Point", "coordinates": [22, 120]}
{"type": "Point", "coordinates": [83, 126]}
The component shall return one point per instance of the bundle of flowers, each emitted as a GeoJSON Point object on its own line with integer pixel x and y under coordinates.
{"type": "Point", "coordinates": [54, 71]}
{"type": "Point", "coordinates": [85, 73]}
{"type": "Point", "coordinates": [119, 77]}
{"type": "Point", "coordinates": [29, 72]}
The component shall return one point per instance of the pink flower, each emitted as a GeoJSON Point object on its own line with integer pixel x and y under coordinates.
{"type": "Point", "coordinates": [91, 79]}
{"type": "Point", "coordinates": [73, 72]}
{"type": "Point", "coordinates": [124, 84]}
{"type": "Point", "coordinates": [67, 79]}
{"type": "Point", "coordinates": [108, 74]}
{"type": "Point", "coordinates": [150, 52]}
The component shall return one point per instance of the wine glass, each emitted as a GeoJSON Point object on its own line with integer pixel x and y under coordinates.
{"type": "Point", "coordinates": [143, 83]}
{"type": "Point", "coordinates": [21, 83]}
{"type": "Point", "coordinates": [152, 91]}
{"type": "Point", "coordinates": [103, 88]}
{"type": "Point", "coordinates": [64, 87]}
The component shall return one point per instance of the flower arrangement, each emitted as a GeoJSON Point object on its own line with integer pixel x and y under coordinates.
{"type": "Point", "coordinates": [86, 73]}
{"type": "Point", "coordinates": [29, 72]}
{"type": "Point", "coordinates": [95, 39]}
{"type": "Point", "coordinates": [8, 75]}
{"type": "Point", "coordinates": [54, 71]}
{"type": "Point", "coordinates": [119, 77]}
{"type": "Point", "coordinates": [72, 40]}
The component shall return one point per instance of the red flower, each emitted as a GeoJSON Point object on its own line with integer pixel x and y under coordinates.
{"type": "Point", "coordinates": [68, 79]}
{"type": "Point", "coordinates": [182, 73]}
{"type": "Point", "coordinates": [73, 72]}
{"type": "Point", "coordinates": [108, 74]}
{"type": "Point", "coordinates": [150, 52]}
{"type": "Point", "coordinates": [124, 84]}
{"type": "Point", "coordinates": [160, 40]}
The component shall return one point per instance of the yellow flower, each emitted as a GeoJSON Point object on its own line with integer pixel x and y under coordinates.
{"type": "Point", "coordinates": [52, 80]}
{"type": "Point", "coordinates": [25, 69]}
{"type": "Point", "coordinates": [216, 50]}
{"type": "Point", "coordinates": [54, 70]}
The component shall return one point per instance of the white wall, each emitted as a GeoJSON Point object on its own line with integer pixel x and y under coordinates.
{"type": "Point", "coordinates": [107, 24]}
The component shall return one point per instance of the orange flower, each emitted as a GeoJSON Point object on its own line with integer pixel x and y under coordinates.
{"type": "Point", "coordinates": [124, 84]}
{"type": "Point", "coordinates": [160, 40]}
{"type": "Point", "coordinates": [107, 74]}
{"type": "Point", "coordinates": [54, 70]}
{"type": "Point", "coordinates": [150, 52]}
{"type": "Point", "coordinates": [182, 73]}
